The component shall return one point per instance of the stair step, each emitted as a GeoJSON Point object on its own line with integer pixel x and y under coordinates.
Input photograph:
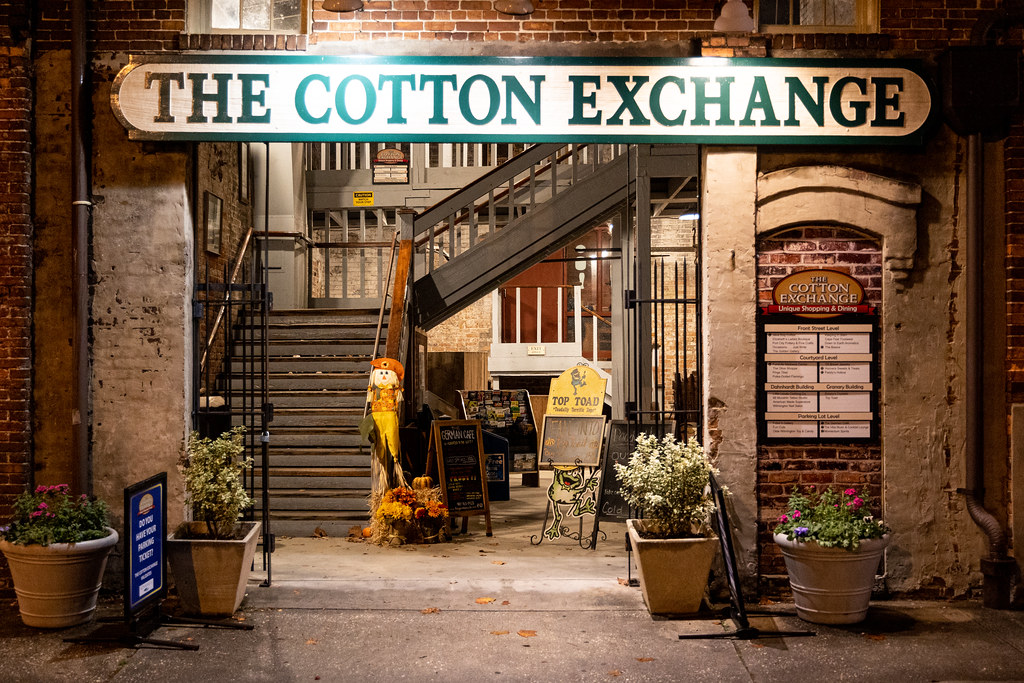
{"type": "Point", "coordinates": [302, 484]}
{"type": "Point", "coordinates": [307, 381]}
{"type": "Point", "coordinates": [310, 364]}
{"type": "Point", "coordinates": [311, 347]}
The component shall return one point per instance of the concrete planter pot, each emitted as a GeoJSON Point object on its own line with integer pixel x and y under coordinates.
{"type": "Point", "coordinates": [210, 575]}
{"type": "Point", "coordinates": [673, 571]}
{"type": "Point", "coordinates": [57, 585]}
{"type": "Point", "coordinates": [831, 585]}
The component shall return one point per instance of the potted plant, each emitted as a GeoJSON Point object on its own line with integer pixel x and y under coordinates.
{"type": "Point", "coordinates": [669, 482]}
{"type": "Point", "coordinates": [831, 544]}
{"type": "Point", "coordinates": [210, 555]}
{"type": "Point", "coordinates": [56, 546]}
{"type": "Point", "coordinates": [431, 516]}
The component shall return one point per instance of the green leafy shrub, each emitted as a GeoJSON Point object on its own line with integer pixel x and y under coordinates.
{"type": "Point", "coordinates": [212, 469]}
{"type": "Point", "coordinates": [670, 483]}
{"type": "Point", "coordinates": [831, 518]}
{"type": "Point", "coordinates": [50, 514]}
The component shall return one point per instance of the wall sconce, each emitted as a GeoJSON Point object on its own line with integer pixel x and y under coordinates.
{"type": "Point", "coordinates": [514, 7]}
{"type": "Point", "coordinates": [735, 18]}
{"type": "Point", "coordinates": [343, 5]}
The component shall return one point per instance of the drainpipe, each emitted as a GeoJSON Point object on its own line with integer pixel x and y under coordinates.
{"type": "Point", "coordinates": [81, 214]}
{"type": "Point", "coordinates": [997, 567]}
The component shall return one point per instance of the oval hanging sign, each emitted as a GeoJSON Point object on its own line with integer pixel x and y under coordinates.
{"type": "Point", "coordinates": [819, 293]}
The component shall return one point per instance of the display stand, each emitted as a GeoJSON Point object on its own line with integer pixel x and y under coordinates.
{"type": "Point", "coordinates": [737, 612]}
{"type": "Point", "coordinates": [145, 571]}
{"type": "Point", "coordinates": [573, 493]}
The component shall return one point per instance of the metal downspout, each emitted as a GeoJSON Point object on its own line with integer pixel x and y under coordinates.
{"type": "Point", "coordinates": [997, 567]}
{"type": "Point", "coordinates": [81, 215]}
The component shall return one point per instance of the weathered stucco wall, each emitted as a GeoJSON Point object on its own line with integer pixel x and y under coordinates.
{"type": "Point", "coordinates": [142, 270]}
{"type": "Point", "coordinates": [936, 547]}
{"type": "Point", "coordinates": [729, 309]}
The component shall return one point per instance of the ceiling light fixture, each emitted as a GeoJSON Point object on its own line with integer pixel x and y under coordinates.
{"type": "Point", "coordinates": [514, 7]}
{"type": "Point", "coordinates": [735, 18]}
{"type": "Point", "coordinates": [343, 5]}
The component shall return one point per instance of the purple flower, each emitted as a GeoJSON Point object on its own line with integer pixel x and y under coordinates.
{"type": "Point", "coordinates": [801, 531]}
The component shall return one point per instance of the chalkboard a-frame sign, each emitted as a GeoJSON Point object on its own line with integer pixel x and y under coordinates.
{"type": "Point", "coordinates": [460, 464]}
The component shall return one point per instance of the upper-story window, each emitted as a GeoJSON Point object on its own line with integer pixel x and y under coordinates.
{"type": "Point", "coordinates": [818, 16]}
{"type": "Point", "coordinates": [247, 16]}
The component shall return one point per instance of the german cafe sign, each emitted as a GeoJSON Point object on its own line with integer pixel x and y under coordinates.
{"type": "Point", "coordinates": [488, 99]}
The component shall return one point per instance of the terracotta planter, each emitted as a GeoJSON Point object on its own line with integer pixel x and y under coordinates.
{"type": "Point", "coordinates": [831, 585]}
{"type": "Point", "coordinates": [673, 571]}
{"type": "Point", "coordinates": [57, 585]}
{"type": "Point", "coordinates": [211, 575]}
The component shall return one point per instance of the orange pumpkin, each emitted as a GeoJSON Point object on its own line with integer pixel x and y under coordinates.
{"type": "Point", "coordinates": [367, 531]}
{"type": "Point", "coordinates": [423, 482]}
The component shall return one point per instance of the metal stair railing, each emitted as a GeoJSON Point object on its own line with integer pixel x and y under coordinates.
{"type": "Point", "coordinates": [495, 200]}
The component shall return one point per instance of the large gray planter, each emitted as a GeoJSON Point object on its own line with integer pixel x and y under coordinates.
{"type": "Point", "coordinates": [673, 571]}
{"type": "Point", "coordinates": [57, 585]}
{"type": "Point", "coordinates": [210, 575]}
{"type": "Point", "coordinates": [831, 585]}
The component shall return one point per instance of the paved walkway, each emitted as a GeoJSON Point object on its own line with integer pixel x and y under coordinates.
{"type": "Point", "coordinates": [500, 608]}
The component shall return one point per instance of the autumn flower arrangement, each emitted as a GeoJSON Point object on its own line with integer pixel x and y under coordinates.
{"type": "Point", "coordinates": [832, 519]}
{"type": "Point", "coordinates": [50, 514]}
{"type": "Point", "coordinates": [406, 516]}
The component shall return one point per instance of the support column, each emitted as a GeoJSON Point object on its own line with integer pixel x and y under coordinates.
{"type": "Point", "coordinates": [729, 306]}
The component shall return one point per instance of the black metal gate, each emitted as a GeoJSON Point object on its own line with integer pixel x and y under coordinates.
{"type": "Point", "coordinates": [229, 336]}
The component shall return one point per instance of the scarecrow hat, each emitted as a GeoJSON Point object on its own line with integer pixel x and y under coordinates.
{"type": "Point", "coordinates": [389, 364]}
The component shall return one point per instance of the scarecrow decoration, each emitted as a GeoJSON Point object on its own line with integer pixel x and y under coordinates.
{"type": "Point", "coordinates": [385, 397]}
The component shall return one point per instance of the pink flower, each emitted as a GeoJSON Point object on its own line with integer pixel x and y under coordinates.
{"type": "Point", "coordinates": [850, 492]}
{"type": "Point", "coordinates": [857, 502]}
{"type": "Point", "coordinates": [783, 519]}
{"type": "Point", "coordinates": [37, 513]}
{"type": "Point", "coordinates": [796, 514]}
{"type": "Point", "coordinates": [43, 506]}
{"type": "Point", "coordinates": [40, 488]}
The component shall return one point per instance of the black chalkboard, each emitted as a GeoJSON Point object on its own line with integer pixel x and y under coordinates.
{"type": "Point", "coordinates": [458, 445]}
{"type": "Point", "coordinates": [572, 440]}
{"type": "Point", "coordinates": [620, 443]}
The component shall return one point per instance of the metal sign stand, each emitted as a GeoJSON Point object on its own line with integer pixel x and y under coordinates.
{"type": "Point", "coordinates": [737, 612]}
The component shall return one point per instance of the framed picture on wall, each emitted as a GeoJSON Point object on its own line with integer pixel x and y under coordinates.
{"type": "Point", "coordinates": [244, 171]}
{"type": "Point", "coordinates": [213, 210]}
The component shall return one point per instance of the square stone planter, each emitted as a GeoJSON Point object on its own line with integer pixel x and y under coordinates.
{"type": "Point", "coordinates": [210, 575]}
{"type": "Point", "coordinates": [673, 571]}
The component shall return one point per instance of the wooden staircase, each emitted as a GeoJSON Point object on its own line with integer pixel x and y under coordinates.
{"type": "Point", "coordinates": [318, 370]}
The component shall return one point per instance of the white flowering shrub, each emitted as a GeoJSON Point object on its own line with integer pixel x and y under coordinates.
{"type": "Point", "coordinates": [212, 470]}
{"type": "Point", "coordinates": [670, 483]}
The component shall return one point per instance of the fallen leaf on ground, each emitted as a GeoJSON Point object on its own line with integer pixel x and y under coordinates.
{"type": "Point", "coordinates": [645, 659]}
{"type": "Point", "coordinates": [484, 601]}
{"type": "Point", "coordinates": [319, 532]}
{"type": "Point", "coordinates": [238, 618]}
{"type": "Point", "coordinates": [499, 633]}
{"type": "Point", "coordinates": [874, 636]}
{"type": "Point", "coordinates": [482, 550]}
{"type": "Point", "coordinates": [497, 562]}
{"type": "Point", "coordinates": [430, 610]}
{"type": "Point", "coordinates": [311, 641]}
{"type": "Point", "coordinates": [505, 602]}
{"type": "Point", "coordinates": [623, 582]}
{"type": "Point", "coordinates": [527, 634]}
{"type": "Point", "coordinates": [614, 672]}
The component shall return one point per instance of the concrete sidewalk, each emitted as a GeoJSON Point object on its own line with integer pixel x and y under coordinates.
{"type": "Point", "coordinates": [502, 608]}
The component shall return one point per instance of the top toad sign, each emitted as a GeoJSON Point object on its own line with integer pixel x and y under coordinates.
{"type": "Point", "coordinates": [220, 96]}
{"type": "Point", "coordinates": [577, 391]}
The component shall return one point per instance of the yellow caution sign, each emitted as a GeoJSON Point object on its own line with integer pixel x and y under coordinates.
{"type": "Point", "coordinates": [577, 391]}
{"type": "Point", "coordinates": [362, 199]}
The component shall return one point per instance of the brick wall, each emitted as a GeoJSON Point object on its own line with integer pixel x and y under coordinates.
{"type": "Point", "coordinates": [1014, 169]}
{"type": "Point", "coordinates": [781, 468]}
{"type": "Point", "coordinates": [553, 21]}
{"type": "Point", "coordinates": [15, 277]}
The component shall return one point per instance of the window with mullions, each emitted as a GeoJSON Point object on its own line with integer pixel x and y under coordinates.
{"type": "Point", "coordinates": [247, 16]}
{"type": "Point", "coordinates": [846, 16]}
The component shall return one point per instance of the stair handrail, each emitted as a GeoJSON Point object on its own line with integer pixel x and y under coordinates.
{"type": "Point", "coordinates": [489, 181]}
{"type": "Point", "coordinates": [212, 334]}
{"type": "Point", "coordinates": [384, 295]}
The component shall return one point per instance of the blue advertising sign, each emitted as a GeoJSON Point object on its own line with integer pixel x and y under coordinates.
{"type": "Point", "coordinates": [145, 530]}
